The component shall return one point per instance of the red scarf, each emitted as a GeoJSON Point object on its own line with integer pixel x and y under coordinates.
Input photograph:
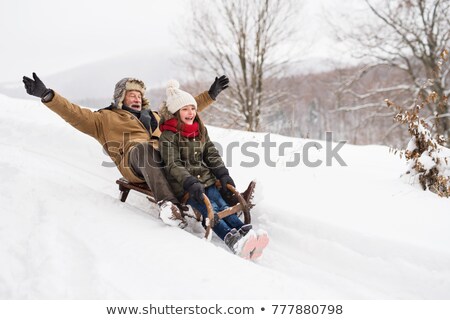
{"type": "Point", "coordinates": [187, 130]}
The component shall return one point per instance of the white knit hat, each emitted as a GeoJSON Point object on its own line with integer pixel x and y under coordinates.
{"type": "Point", "coordinates": [176, 98]}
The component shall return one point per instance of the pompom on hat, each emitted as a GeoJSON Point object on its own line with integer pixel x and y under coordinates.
{"type": "Point", "coordinates": [176, 98]}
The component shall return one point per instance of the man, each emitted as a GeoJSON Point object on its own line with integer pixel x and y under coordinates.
{"type": "Point", "coordinates": [129, 131]}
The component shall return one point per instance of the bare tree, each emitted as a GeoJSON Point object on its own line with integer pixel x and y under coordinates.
{"type": "Point", "coordinates": [408, 38]}
{"type": "Point", "coordinates": [249, 41]}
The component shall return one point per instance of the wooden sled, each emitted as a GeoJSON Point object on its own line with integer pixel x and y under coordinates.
{"type": "Point", "coordinates": [238, 202]}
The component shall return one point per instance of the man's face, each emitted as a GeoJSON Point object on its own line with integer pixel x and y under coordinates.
{"type": "Point", "coordinates": [133, 100]}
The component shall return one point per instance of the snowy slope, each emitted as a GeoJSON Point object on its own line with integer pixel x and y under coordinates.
{"type": "Point", "coordinates": [354, 232]}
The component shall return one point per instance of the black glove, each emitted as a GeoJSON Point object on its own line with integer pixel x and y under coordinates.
{"type": "Point", "coordinates": [226, 179]}
{"type": "Point", "coordinates": [218, 85]}
{"type": "Point", "coordinates": [222, 174]}
{"type": "Point", "coordinates": [36, 87]}
{"type": "Point", "coordinates": [195, 189]}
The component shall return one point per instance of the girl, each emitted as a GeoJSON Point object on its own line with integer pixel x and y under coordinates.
{"type": "Point", "coordinates": [193, 164]}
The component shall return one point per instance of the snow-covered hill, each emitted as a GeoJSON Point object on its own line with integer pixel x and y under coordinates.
{"type": "Point", "coordinates": [340, 232]}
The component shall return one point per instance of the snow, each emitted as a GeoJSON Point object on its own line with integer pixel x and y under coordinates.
{"type": "Point", "coordinates": [427, 161]}
{"type": "Point", "coordinates": [435, 156]}
{"type": "Point", "coordinates": [336, 232]}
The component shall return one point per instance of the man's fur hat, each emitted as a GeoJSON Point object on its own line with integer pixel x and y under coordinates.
{"type": "Point", "coordinates": [127, 84]}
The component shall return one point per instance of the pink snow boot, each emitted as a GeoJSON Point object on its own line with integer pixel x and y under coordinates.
{"type": "Point", "coordinates": [262, 240]}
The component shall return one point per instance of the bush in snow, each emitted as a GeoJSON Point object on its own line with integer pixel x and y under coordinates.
{"type": "Point", "coordinates": [427, 158]}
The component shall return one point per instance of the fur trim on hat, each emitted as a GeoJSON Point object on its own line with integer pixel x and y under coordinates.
{"type": "Point", "coordinates": [128, 84]}
{"type": "Point", "coordinates": [176, 98]}
{"type": "Point", "coordinates": [164, 113]}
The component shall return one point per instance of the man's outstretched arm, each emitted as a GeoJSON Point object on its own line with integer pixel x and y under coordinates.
{"type": "Point", "coordinates": [80, 118]}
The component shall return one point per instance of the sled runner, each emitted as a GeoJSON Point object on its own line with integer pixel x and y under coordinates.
{"type": "Point", "coordinates": [125, 187]}
{"type": "Point", "coordinates": [238, 202]}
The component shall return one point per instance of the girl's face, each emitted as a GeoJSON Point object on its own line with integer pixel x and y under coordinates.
{"type": "Point", "coordinates": [187, 114]}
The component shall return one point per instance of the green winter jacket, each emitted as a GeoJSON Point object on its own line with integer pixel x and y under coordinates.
{"type": "Point", "coordinates": [184, 157]}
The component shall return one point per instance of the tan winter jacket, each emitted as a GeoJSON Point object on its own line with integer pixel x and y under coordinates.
{"type": "Point", "coordinates": [117, 130]}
